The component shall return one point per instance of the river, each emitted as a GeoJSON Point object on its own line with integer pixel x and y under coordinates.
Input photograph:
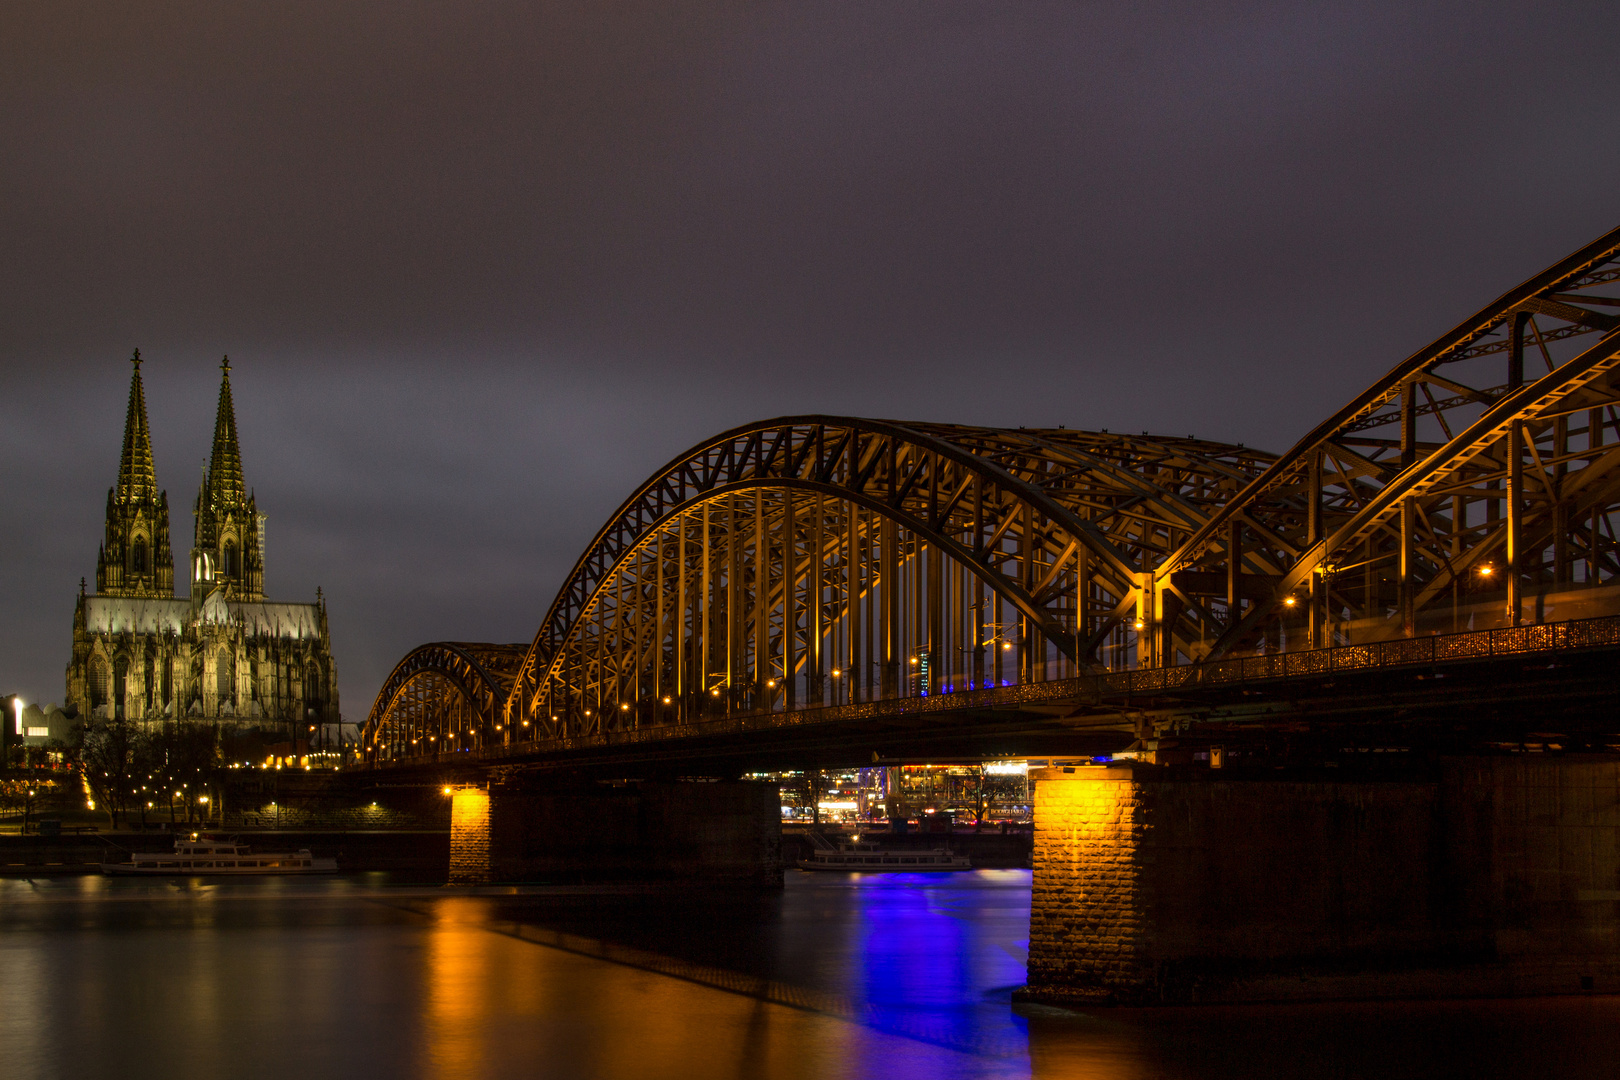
{"type": "Point", "coordinates": [836, 976]}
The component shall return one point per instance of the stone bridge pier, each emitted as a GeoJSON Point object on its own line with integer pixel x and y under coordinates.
{"type": "Point", "coordinates": [717, 832]}
{"type": "Point", "coordinates": [1487, 876]}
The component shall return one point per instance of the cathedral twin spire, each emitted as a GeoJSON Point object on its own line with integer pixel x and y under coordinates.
{"type": "Point", "coordinates": [227, 548]}
{"type": "Point", "coordinates": [135, 558]}
{"type": "Point", "coordinates": [224, 482]}
{"type": "Point", "coordinates": [137, 476]}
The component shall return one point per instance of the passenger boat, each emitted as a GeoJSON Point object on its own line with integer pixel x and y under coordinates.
{"type": "Point", "coordinates": [869, 858]}
{"type": "Point", "coordinates": [209, 856]}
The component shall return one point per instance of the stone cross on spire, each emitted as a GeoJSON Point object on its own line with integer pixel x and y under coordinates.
{"type": "Point", "coordinates": [137, 475]}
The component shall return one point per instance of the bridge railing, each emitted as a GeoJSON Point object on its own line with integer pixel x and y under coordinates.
{"type": "Point", "coordinates": [1396, 652]}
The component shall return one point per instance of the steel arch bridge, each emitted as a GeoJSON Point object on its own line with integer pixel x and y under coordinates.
{"type": "Point", "coordinates": [820, 562]}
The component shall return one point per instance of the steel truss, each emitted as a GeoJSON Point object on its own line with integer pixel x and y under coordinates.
{"type": "Point", "coordinates": [812, 562]}
{"type": "Point", "coordinates": [442, 698]}
{"type": "Point", "coordinates": [1473, 486]}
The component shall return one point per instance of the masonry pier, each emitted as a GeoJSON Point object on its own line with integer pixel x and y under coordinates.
{"type": "Point", "coordinates": [1481, 876]}
{"type": "Point", "coordinates": [713, 832]}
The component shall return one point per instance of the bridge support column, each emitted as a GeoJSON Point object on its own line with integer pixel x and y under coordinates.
{"type": "Point", "coordinates": [555, 831]}
{"type": "Point", "coordinates": [469, 836]}
{"type": "Point", "coordinates": [1181, 884]}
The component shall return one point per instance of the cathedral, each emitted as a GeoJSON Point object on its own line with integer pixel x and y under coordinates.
{"type": "Point", "coordinates": [225, 654]}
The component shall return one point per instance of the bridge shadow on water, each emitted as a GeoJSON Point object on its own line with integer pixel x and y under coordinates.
{"type": "Point", "coordinates": [835, 976]}
{"type": "Point", "coordinates": [917, 973]}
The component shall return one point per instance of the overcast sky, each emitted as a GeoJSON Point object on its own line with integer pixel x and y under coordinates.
{"type": "Point", "coordinates": [482, 268]}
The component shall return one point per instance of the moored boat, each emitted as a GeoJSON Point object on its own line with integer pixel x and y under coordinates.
{"type": "Point", "coordinates": [869, 858]}
{"type": "Point", "coordinates": [227, 857]}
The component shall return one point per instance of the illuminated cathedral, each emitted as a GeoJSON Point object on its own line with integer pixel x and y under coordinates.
{"type": "Point", "coordinates": [225, 654]}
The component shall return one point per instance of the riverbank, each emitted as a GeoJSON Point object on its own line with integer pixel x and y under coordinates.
{"type": "Point", "coordinates": [986, 850]}
{"type": "Point", "coordinates": [411, 852]}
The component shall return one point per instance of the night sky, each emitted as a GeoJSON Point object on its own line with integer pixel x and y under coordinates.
{"type": "Point", "coordinates": [482, 268]}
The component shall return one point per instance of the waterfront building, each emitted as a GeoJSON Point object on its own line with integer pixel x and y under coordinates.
{"type": "Point", "coordinates": [224, 653]}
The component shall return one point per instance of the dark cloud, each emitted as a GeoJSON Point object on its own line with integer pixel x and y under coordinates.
{"type": "Point", "coordinates": [482, 268]}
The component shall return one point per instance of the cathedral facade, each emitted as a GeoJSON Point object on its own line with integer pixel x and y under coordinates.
{"type": "Point", "coordinates": [224, 654]}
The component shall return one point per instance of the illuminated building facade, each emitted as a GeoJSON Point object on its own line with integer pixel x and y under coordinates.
{"type": "Point", "coordinates": [225, 653]}
{"type": "Point", "coordinates": [991, 791]}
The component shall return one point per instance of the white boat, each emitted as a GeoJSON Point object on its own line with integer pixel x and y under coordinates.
{"type": "Point", "coordinates": [208, 856]}
{"type": "Point", "coordinates": [869, 858]}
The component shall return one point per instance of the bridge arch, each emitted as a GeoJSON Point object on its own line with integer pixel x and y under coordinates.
{"type": "Point", "coordinates": [443, 697]}
{"type": "Point", "coordinates": [1475, 478]}
{"type": "Point", "coordinates": [756, 568]}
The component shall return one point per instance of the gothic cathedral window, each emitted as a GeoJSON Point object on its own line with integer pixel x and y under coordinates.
{"type": "Point", "coordinates": [98, 682]}
{"type": "Point", "coordinates": [120, 685]}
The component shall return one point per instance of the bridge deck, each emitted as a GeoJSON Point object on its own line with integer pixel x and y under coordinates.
{"type": "Point", "coordinates": [1537, 671]}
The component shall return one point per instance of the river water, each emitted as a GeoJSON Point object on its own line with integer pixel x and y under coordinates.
{"type": "Point", "coordinates": [837, 976]}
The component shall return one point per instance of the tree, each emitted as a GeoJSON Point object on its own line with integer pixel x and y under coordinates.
{"type": "Point", "coordinates": [106, 752]}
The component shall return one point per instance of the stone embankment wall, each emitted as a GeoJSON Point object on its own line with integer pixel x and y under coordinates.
{"type": "Point", "coordinates": [326, 800]}
{"type": "Point", "coordinates": [1498, 875]}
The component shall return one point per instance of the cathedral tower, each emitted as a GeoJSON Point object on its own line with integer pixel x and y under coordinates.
{"type": "Point", "coordinates": [224, 656]}
{"type": "Point", "coordinates": [135, 560]}
{"type": "Point", "coordinates": [226, 549]}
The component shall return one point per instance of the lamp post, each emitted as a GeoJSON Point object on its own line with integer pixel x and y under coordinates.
{"type": "Point", "coordinates": [17, 726]}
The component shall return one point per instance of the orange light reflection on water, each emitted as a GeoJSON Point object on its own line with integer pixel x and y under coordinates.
{"type": "Point", "coordinates": [501, 1006]}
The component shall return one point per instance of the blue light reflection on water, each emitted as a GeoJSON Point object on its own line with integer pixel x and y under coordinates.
{"type": "Point", "coordinates": [927, 956]}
